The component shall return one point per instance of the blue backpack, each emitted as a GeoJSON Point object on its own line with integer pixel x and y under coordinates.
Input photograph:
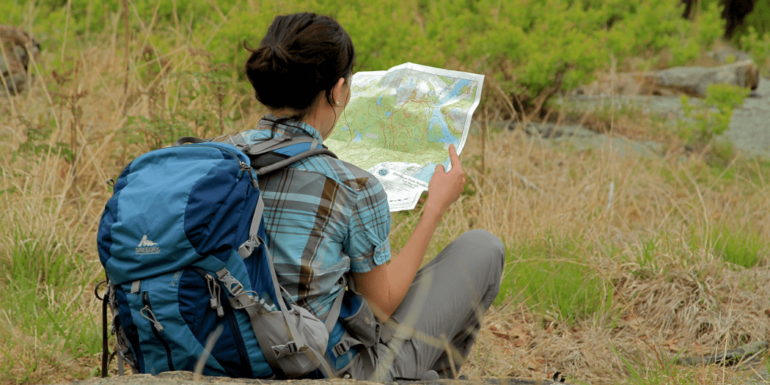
{"type": "Point", "coordinates": [190, 281]}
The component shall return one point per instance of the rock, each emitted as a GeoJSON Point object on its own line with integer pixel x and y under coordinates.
{"type": "Point", "coordinates": [553, 131]}
{"type": "Point", "coordinates": [743, 354]}
{"type": "Point", "coordinates": [663, 106]}
{"type": "Point", "coordinates": [619, 84]}
{"type": "Point", "coordinates": [749, 130]}
{"type": "Point", "coordinates": [692, 81]}
{"type": "Point", "coordinates": [695, 80]}
{"type": "Point", "coordinates": [581, 138]}
{"type": "Point", "coordinates": [728, 55]}
{"type": "Point", "coordinates": [622, 146]}
{"type": "Point", "coordinates": [188, 378]}
{"type": "Point", "coordinates": [749, 358]}
{"type": "Point", "coordinates": [16, 50]}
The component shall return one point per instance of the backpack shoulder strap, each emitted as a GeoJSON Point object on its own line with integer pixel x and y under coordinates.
{"type": "Point", "coordinates": [295, 158]}
{"type": "Point", "coordinates": [276, 153]}
{"type": "Point", "coordinates": [334, 312]}
{"type": "Point", "coordinates": [276, 143]}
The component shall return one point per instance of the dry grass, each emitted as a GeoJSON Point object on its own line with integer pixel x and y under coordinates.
{"type": "Point", "coordinates": [59, 144]}
{"type": "Point", "coordinates": [648, 247]}
{"type": "Point", "coordinates": [652, 246]}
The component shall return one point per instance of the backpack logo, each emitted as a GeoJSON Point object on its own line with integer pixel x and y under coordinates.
{"type": "Point", "coordinates": [147, 246]}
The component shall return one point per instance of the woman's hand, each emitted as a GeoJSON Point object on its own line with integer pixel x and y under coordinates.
{"type": "Point", "coordinates": [445, 187]}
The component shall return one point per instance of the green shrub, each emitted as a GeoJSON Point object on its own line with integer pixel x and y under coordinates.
{"type": "Point", "coordinates": [758, 45]}
{"type": "Point", "coordinates": [758, 21]}
{"type": "Point", "coordinates": [527, 46]}
{"type": "Point", "coordinates": [711, 117]}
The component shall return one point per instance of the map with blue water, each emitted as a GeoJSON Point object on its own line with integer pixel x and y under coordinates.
{"type": "Point", "coordinates": [401, 122]}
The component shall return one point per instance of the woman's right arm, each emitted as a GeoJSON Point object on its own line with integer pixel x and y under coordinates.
{"type": "Point", "coordinates": [386, 285]}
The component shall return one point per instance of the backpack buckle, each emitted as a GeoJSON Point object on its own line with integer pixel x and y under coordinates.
{"type": "Point", "coordinates": [231, 283]}
{"type": "Point", "coordinates": [285, 350]}
{"type": "Point", "coordinates": [248, 247]}
{"type": "Point", "coordinates": [342, 347]}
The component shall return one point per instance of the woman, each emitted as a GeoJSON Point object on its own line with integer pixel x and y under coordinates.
{"type": "Point", "coordinates": [326, 219]}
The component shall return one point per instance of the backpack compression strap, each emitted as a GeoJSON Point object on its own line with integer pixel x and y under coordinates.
{"type": "Point", "coordinates": [241, 300]}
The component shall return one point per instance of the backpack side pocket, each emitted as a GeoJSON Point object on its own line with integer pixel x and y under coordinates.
{"type": "Point", "coordinates": [363, 326]}
{"type": "Point", "coordinates": [293, 356]}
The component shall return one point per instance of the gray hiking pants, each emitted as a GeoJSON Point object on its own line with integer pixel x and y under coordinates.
{"type": "Point", "coordinates": [436, 324]}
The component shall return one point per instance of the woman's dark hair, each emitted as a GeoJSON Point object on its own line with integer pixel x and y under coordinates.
{"type": "Point", "coordinates": [301, 55]}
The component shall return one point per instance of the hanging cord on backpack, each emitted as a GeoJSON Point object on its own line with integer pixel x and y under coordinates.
{"type": "Point", "coordinates": [187, 139]}
{"type": "Point", "coordinates": [105, 346]}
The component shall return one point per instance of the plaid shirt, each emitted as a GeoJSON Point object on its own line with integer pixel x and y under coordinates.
{"type": "Point", "coordinates": [323, 217]}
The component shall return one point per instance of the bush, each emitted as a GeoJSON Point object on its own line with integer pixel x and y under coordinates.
{"type": "Point", "coordinates": [712, 117]}
{"type": "Point", "coordinates": [759, 47]}
{"type": "Point", "coordinates": [758, 21]}
{"type": "Point", "coordinates": [526, 46]}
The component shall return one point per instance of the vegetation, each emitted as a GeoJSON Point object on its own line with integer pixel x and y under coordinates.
{"type": "Point", "coordinates": [528, 48]}
{"type": "Point", "coordinates": [711, 117]}
{"type": "Point", "coordinates": [615, 264]}
{"type": "Point", "coordinates": [758, 45]}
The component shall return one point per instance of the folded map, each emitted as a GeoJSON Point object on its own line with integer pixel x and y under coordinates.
{"type": "Point", "coordinates": [399, 124]}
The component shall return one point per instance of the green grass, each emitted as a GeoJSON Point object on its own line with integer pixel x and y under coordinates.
{"type": "Point", "coordinates": [554, 277]}
{"type": "Point", "coordinates": [44, 286]}
{"type": "Point", "coordinates": [640, 372]}
{"type": "Point", "coordinates": [741, 247]}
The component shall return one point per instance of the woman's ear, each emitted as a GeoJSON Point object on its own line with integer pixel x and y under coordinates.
{"type": "Point", "coordinates": [337, 93]}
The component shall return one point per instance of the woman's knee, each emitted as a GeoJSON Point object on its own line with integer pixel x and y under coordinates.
{"type": "Point", "coordinates": [490, 259]}
{"type": "Point", "coordinates": [487, 248]}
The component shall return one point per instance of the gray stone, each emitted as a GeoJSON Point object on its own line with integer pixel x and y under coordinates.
{"type": "Point", "coordinates": [581, 138]}
{"type": "Point", "coordinates": [728, 55]}
{"type": "Point", "coordinates": [17, 50]}
{"type": "Point", "coordinates": [623, 146]}
{"type": "Point", "coordinates": [554, 131]}
{"type": "Point", "coordinates": [750, 126]}
{"type": "Point", "coordinates": [663, 106]}
{"type": "Point", "coordinates": [677, 81]}
{"type": "Point", "coordinates": [749, 359]}
{"type": "Point", "coordinates": [743, 354]}
{"type": "Point", "coordinates": [695, 80]}
{"type": "Point", "coordinates": [749, 130]}
{"type": "Point", "coordinates": [188, 378]}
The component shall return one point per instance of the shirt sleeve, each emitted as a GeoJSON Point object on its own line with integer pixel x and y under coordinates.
{"type": "Point", "coordinates": [367, 243]}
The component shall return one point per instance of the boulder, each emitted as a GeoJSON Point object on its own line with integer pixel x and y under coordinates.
{"type": "Point", "coordinates": [187, 378]}
{"type": "Point", "coordinates": [694, 81]}
{"type": "Point", "coordinates": [16, 51]}
{"type": "Point", "coordinates": [741, 354]}
{"type": "Point", "coordinates": [728, 55]}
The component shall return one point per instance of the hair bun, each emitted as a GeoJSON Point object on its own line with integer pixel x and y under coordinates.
{"type": "Point", "coordinates": [301, 55]}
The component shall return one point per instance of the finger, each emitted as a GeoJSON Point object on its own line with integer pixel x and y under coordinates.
{"type": "Point", "coordinates": [439, 169]}
{"type": "Point", "coordinates": [454, 158]}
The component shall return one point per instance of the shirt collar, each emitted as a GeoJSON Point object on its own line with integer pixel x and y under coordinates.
{"type": "Point", "coordinates": [289, 127]}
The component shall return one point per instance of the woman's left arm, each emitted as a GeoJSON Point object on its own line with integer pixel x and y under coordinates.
{"type": "Point", "coordinates": [385, 286]}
